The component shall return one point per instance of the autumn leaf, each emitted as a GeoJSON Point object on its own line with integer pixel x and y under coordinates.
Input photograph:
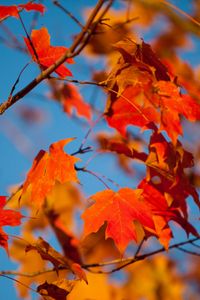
{"type": "Point", "coordinates": [48, 168]}
{"type": "Point", "coordinates": [145, 205]}
{"type": "Point", "coordinates": [141, 93]}
{"type": "Point", "coordinates": [145, 278]}
{"type": "Point", "coordinates": [8, 217]}
{"type": "Point", "coordinates": [173, 105]}
{"type": "Point", "coordinates": [132, 108]}
{"type": "Point", "coordinates": [13, 10]}
{"type": "Point", "coordinates": [57, 259]}
{"type": "Point", "coordinates": [119, 210]}
{"type": "Point", "coordinates": [33, 6]}
{"type": "Point", "coordinates": [70, 98]}
{"type": "Point", "coordinates": [166, 164]}
{"type": "Point", "coordinates": [162, 213]}
{"type": "Point", "coordinates": [47, 55]}
{"type": "Point", "coordinates": [57, 290]}
{"type": "Point", "coordinates": [143, 53]}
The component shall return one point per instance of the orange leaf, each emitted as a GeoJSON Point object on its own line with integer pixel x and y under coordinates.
{"type": "Point", "coordinates": [13, 10]}
{"type": "Point", "coordinates": [132, 108]}
{"type": "Point", "coordinates": [172, 105]}
{"type": "Point", "coordinates": [48, 168]}
{"type": "Point", "coordinates": [119, 210]}
{"type": "Point", "coordinates": [57, 259]}
{"type": "Point", "coordinates": [47, 55]}
{"type": "Point", "coordinates": [7, 217]}
{"type": "Point", "coordinates": [71, 98]}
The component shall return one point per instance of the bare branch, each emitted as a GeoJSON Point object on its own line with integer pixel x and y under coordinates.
{"type": "Point", "coordinates": [122, 262]}
{"type": "Point", "coordinates": [77, 46]}
{"type": "Point", "coordinates": [103, 84]}
{"type": "Point", "coordinates": [128, 261]}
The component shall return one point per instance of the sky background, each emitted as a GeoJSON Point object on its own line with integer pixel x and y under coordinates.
{"type": "Point", "coordinates": [20, 141]}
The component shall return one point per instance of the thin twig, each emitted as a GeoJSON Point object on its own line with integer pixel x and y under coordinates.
{"type": "Point", "coordinates": [180, 11]}
{"type": "Point", "coordinates": [188, 251]}
{"type": "Point", "coordinates": [79, 81]}
{"type": "Point", "coordinates": [68, 13]}
{"type": "Point", "coordinates": [29, 39]}
{"type": "Point", "coordinates": [82, 150]}
{"type": "Point", "coordinates": [83, 169]}
{"type": "Point", "coordinates": [11, 36]}
{"type": "Point", "coordinates": [194, 244]}
{"type": "Point", "coordinates": [17, 80]}
{"type": "Point", "coordinates": [26, 286]}
{"type": "Point", "coordinates": [73, 51]}
{"type": "Point", "coordinates": [34, 274]}
{"type": "Point", "coordinates": [128, 261]}
{"type": "Point", "coordinates": [123, 262]}
{"type": "Point", "coordinates": [139, 247]}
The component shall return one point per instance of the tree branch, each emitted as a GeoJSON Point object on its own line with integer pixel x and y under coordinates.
{"type": "Point", "coordinates": [128, 261]}
{"type": "Point", "coordinates": [80, 42]}
{"type": "Point", "coordinates": [123, 262]}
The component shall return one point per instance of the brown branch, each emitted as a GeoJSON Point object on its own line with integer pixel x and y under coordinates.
{"type": "Point", "coordinates": [188, 251]}
{"type": "Point", "coordinates": [34, 274]}
{"type": "Point", "coordinates": [124, 262]}
{"type": "Point", "coordinates": [128, 261]}
{"type": "Point", "coordinates": [83, 82]}
{"type": "Point", "coordinates": [77, 46]}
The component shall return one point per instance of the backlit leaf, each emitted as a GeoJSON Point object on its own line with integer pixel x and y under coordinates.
{"type": "Point", "coordinates": [47, 55]}
{"type": "Point", "coordinates": [13, 10]}
{"type": "Point", "coordinates": [48, 168]}
{"type": "Point", "coordinates": [8, 217]}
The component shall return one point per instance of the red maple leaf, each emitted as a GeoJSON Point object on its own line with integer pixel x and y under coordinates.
{"type": "Point", "coordinates": [119, 210]}
{"type": "Point", "coordinates": [141, 93]}
{"type": "Point", "coordinates": [48, 168]}
{"type": "Point", "coordinates": [33, 6]}
{"type": "Point", "coordinates": [70, 98]}
{"type": "Point", "coordinates": [166, 163]}
{"type": "Point", "coordinates": [47, 55]}
{"type": "Point", "coordinates": [13, 10]}
{"type": "Point", "coordinates": [7, 217]}
{"type": "Point", "coordinates": [163, 213]}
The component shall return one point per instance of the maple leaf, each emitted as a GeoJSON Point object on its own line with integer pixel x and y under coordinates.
{"type": "Point", "coordinates": [58, 260]}
{"type": "Point", "coordinates": [119, 210]}
{"type": "Point", "coordinates": [132, 108]}
{"type": "Point", "coordinates": [48, 168]}
{"type": "Point", "coordinates": [57, 290]}
{"type": "Point", "coordinates": [129, 148]}
{"type": "Point", "coordinates": [133, 52]}
{"type": "Point", "coordinates": [167, 162]}
{"type": "Point", "coordinates": [172, 105]}
{"type": "Point", "coordinates": [33, 6]}
{"type": "Point", "coordinates": [13, 10]}
{"type": "Point", "coordinates": [162, 213]}
{"type": "Point", "coordinates": [70, 98]}
{"type": "Point", "coordinates": [47, 55]}
{"type": "Point", "coordinates": [7, 217]}
{"type": "Point", "coordinates": [141, 93]}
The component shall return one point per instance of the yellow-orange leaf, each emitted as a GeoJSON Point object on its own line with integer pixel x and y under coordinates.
{"type": "Point", "coordinates": [48, 168]}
